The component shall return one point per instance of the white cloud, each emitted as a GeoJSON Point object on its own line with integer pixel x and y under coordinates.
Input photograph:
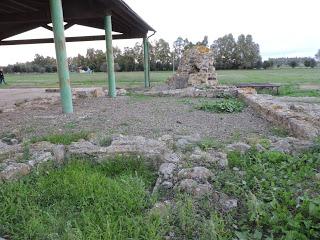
{"type": "Point", "coordinates": [281, 27]}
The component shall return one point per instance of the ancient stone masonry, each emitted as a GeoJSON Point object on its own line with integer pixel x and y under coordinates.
{"type": "Point", "coordinates": [196, 68]}
{"type": "Point", "coordinates": [195, 92]}
{"type": "Point", "coordinates": [299, 115]}
{"type": "Point", "coordinates": [179, 159]}
{"type": "Point", "coordinates": [183, 167]}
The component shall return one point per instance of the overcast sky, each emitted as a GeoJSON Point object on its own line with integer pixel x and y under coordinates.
{"type": "Point", "coordinates": [283, 28]}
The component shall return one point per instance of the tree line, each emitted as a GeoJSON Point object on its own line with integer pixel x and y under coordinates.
{"type": "Point", "coordinates": [230, 53]}
{"type": "Point", "coordinates": [291, 62]}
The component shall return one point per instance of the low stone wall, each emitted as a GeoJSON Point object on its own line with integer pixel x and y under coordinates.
{"type": "Point", "coordinates": [210, 92]}
{"type": "Point", "coordinates": [299, 115]}
{"type": "Point", "coordinates": [182, 166]}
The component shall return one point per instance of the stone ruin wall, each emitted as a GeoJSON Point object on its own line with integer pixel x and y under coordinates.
{"type": "Point", "coordinates": [196, 68]}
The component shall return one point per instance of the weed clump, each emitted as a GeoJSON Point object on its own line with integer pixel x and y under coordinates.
{"type": "Point", "coordinates": [65, 139]}
{"type": "Point", "coordinates": [221, 106]}
{"type": "Point", "coordinates": [278, 194]}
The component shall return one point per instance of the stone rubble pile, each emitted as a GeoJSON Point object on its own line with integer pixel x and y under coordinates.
{"type": "Point", "coordinates": [196, 68]}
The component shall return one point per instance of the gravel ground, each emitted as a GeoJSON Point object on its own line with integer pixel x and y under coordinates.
{"type": "Point", "coordinates": [146, 116]}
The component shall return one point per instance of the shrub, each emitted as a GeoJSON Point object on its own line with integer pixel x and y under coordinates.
{"type": "Point", "coordinates": [293, 64]}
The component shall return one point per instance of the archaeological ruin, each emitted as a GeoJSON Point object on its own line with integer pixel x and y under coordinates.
{"type": "Point", "coordinates": [196, 68]}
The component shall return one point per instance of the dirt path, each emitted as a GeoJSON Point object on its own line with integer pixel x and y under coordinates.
{"type": "Point", "coordinates": [8, 97]}
{"type": "Point", "coordinates": [150, 116]}
{"type": "Point", "coordinates": [310, 86]}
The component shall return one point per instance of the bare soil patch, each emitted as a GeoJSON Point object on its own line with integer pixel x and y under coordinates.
{"type": "Point", "coordinates": [146, 116]}
{"type": "Point", "coordinates": [8, 97]}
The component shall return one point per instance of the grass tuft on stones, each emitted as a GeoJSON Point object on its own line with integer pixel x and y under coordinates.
{"type": "Point", "coordinates": [137, 97]}
{"type": "Point", "coordinates": [105, 141]}
{"type": "Point", "coordinates": [65, 139]}
{"type": "Point", "coordinates": [221, 106]}
{"type": "Point", "coordinates": [209, 143]}
{"type": "Point", "coordinates": [280, 132]}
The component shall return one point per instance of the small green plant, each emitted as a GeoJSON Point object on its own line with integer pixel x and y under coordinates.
{"type": "Point", "coordinates": [188, 220]}
{"type": "Point", "coordinates": [280, 132]}
{"type": "Point", "coordinates": [266, 143]}
{"type": "Point", "coordinates": [105, 141]}
{"type": "Point", "coordinates": [4, 157]}
{"type": "Point", "coordinates": [236, 136]}
{"type": "Point", "coordinates": [6, 137]}
{"type": "Point", "coordinates": [209, 143]}
{"type": "Point", "coordinates": [65, 139]}
{"type": "Point", "coordinates": [26, 151]}
{"type": "Point", "coordinates": [277, 195]}
{"type": "Point", "coordinates": [139, 97]}
{"type": "Point", "coordinates": [221, 106]}
{"type": "Point", "coordinates": [186, 101]}
{"type": "Point", "coordinates": [316, 146]}
{"type": "Point", "coordinates": [71, 125]}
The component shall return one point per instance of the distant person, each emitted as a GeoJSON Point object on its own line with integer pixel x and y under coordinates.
{"type": "Point", "coordinates": [2, 77]}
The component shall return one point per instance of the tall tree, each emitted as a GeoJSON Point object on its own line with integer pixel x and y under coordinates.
{"type": "Point", "coordinates": [95, 59]}
{"type": "Point", "coordinates": [225, 52]}
{"type": "Point", "coordinates": [188, 44]}
{"type": "Point", "coordinates": [248, 52]}
{"type": "Point", "coordinates": [293, 64]}
{"type": "Point", "coordinates": [318, 55]}
{"type": "Point", "coordinates": [310, 62]}
{"type": "Point", "coordinates": [204, 42]}
{"type": "Point", "coordinates": [178, 48]}
{"type": "Point", "coordinates": [47, 63]}
{"type": "Point", "coordinates": [138, 56]}
{"type": "Point", "coordinates": [161, 55]}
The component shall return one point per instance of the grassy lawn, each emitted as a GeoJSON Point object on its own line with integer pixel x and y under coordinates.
{"type": "Point", "coordinates": [286, 76]}
{"type": "Point", "coordinates": [81, 201]}
{"type": "Point", "coordinates": [125, 79]}
{"type": "Point", "coordinates": [291, 79]}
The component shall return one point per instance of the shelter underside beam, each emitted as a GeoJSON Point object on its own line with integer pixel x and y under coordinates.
{"type": "Point", "coordinates": [39, 17]}
{"type": "Point", "coordinates": [68, 39]}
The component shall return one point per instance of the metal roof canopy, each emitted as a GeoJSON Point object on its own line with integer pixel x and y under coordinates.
{"type": "Point", "coordinates": [18, 16]}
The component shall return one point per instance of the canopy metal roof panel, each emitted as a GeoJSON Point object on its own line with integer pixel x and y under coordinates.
{"type": "Point", "coordinates": [18, 16]}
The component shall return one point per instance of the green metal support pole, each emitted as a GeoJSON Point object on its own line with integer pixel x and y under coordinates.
{"type": "Point", "coordinates": [110, 60]}
{"type": "Point", "coordinates": [146, 63]}
{"type": "Point", "coordinates": [149, 64]}
{"type": "Point", "coordinates": [61, 53]}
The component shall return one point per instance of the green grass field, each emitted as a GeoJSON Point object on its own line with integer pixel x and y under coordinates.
{"type": "Point", "coordinates": [292, 79]}
{"type": "Point", "coordinates": [283, 76]}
